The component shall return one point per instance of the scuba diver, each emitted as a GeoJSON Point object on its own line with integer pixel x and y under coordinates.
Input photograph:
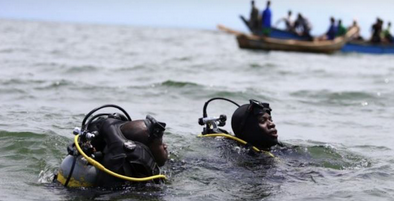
{"type": "Point", "coordinates": [251, 123]}
{"type": "Point", "coordinates": [110, 150]}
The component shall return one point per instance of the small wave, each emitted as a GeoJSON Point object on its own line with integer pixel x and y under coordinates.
{"type": "Point", "coordinates": [236, 95]}
{"type": "Point", "coordinates": [334, 98]}
{"type": "Point", "coordinates": [350, 95]}
{"type": "Point", "coordinates": [321, 155]}
{"type": "Point", "coordinates": [266, 65]}
{"type": "Point", "coordinates": [372, 148]}
{"type": "Point", "coordinates": [82, 69]}
{"type": "Point", "coordinates": [56, 84]}
{"type": "Point", "coordinates": [183, 58]}
{"type": "Point", "coordinates": [178, 84]}
{"type": "Point", "coordinates": [132, 68]}
{"type": "Point", "coordinates": [17, 81]}
{"type": "Point", "coordinates": [325, 94]}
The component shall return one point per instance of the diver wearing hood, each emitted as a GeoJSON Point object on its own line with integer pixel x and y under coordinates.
{"type": "Point", "coordinates": [251, 123]}
{"type": "Point", "coordinates": [118, 150]}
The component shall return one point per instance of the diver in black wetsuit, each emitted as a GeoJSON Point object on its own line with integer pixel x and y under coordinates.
{"type": "Point", "coordinates": [252, 125]}
{"type": "Point", "coordinates": [132, 149]}
{"type": "Point", "coordinates": [151, 155]}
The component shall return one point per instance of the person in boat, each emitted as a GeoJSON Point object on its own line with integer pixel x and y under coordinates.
{"type": "Point", "coordinates": [356, 36]}
{"type": "Point", "coordinates": [377, 31]}
{"type": "Point", "coordinates": [251, 123]}
{"type": "Point", "coordinates": [386, 34]}
{"type": "Point", "coordinates": [288, 21]}
{"type": "Point", "coordinates": [254, 21]}
{"type": "Point", "coordinates": [341, 29]}
{"type": "Point", "coordinates": [302, 26]}
{"type": "Point", "coordinates": [133, 149]}
{"type": "Point", "coordinates": [331, 32]}
{"type": "Point", "coordinates": [266, 19]}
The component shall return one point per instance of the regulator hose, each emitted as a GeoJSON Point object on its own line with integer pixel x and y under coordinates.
{"type": "Point", "coordinates": [101, 107]}
{"type": "Point", "coordinates": [204, 110]}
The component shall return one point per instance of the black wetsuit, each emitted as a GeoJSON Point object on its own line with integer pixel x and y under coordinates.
{"type": "Point", "coordinates": [121, 155]}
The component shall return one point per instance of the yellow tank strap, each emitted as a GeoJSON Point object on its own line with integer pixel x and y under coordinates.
{"type": "Point", "coordinates": [102, 168]}
{"type": "Point", "coordinates": [238, 140]}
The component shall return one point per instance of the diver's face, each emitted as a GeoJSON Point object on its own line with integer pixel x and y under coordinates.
{"type": "Point", "coordinates": [159, 151]}
{"type": "Point", "coordinates": [268, 127]}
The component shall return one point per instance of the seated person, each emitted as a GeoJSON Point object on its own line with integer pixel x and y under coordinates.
{"type": "Point", "coordinates": [357, 35]}
{"type": "Point", "coordinates": [302, 26]}
{"type": "Point", "coordinates": [288, 21]}
{"type": "Point", "coordinates": [386, 35]}
{"type": "Point", "coordinates": [341, 29]}
{"type": "Point", "coordinates": [132, 149]}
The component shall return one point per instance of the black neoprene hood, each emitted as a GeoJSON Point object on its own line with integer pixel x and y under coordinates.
{"type": "Point", "coordinates": [245, 124]}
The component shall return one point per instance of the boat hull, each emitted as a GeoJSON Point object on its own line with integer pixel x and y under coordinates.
{"type": "Point", "coordinates": [365, 47]}
{"type": "Point", "coordinates": [265, 43]}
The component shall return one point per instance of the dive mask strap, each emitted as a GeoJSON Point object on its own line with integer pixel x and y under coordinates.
{"type": "Point", "coordinates": [260, 107]}
{"type": "Point", "coordinates": [155, 128]}
{"type": "Point", "coordinates": [256, 107]}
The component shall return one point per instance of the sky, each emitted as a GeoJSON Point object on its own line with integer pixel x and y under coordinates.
{"type": "Point", "coordinates": [196, 14]}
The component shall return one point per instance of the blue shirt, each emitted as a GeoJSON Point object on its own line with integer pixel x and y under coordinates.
{"type": "Point", "coordinates": [267, 18]}
{"type": "Point", "coordinates": [332, 32]}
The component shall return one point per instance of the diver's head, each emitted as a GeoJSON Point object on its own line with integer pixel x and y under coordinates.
{"type": "Point", "coordinates": [253, 123]}
{"type": "Point", "coordinates": [148, 132]}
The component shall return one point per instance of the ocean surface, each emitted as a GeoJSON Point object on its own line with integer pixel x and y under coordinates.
{"type": "Point", "coordinates": [334, 113]}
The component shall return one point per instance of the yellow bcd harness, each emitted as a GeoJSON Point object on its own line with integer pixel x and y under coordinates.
{"type": "Point", "coordinates": [238, 140]}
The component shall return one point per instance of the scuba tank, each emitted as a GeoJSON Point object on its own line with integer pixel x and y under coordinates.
{"type": "Point", "coordinates": [92, 158]}
{"type": "Point", "coordinates": [75, 170]}
{"type": "Point", "coordinates": [83, 173]}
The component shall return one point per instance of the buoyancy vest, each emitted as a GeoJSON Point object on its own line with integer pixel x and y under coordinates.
{"type": "Point", "coordinates": [123, 156]}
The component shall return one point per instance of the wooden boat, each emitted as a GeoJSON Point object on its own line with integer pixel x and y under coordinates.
{"type": "Point", "coordinates": [351, 46]}
{"type": "Point", "coordinates": [366, 47]}
{"type": "Point", "coordinates": [248, 41]}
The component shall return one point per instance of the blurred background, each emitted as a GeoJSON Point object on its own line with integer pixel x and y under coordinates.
{"type": "Point", "coordinates": [202, 14]}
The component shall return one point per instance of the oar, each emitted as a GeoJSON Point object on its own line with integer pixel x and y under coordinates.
{"type": "Point", "coordinates": [228, 30]}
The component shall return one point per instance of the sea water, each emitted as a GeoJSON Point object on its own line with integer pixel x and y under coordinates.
{"type": "Point", "coordinates": [334, 113]}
